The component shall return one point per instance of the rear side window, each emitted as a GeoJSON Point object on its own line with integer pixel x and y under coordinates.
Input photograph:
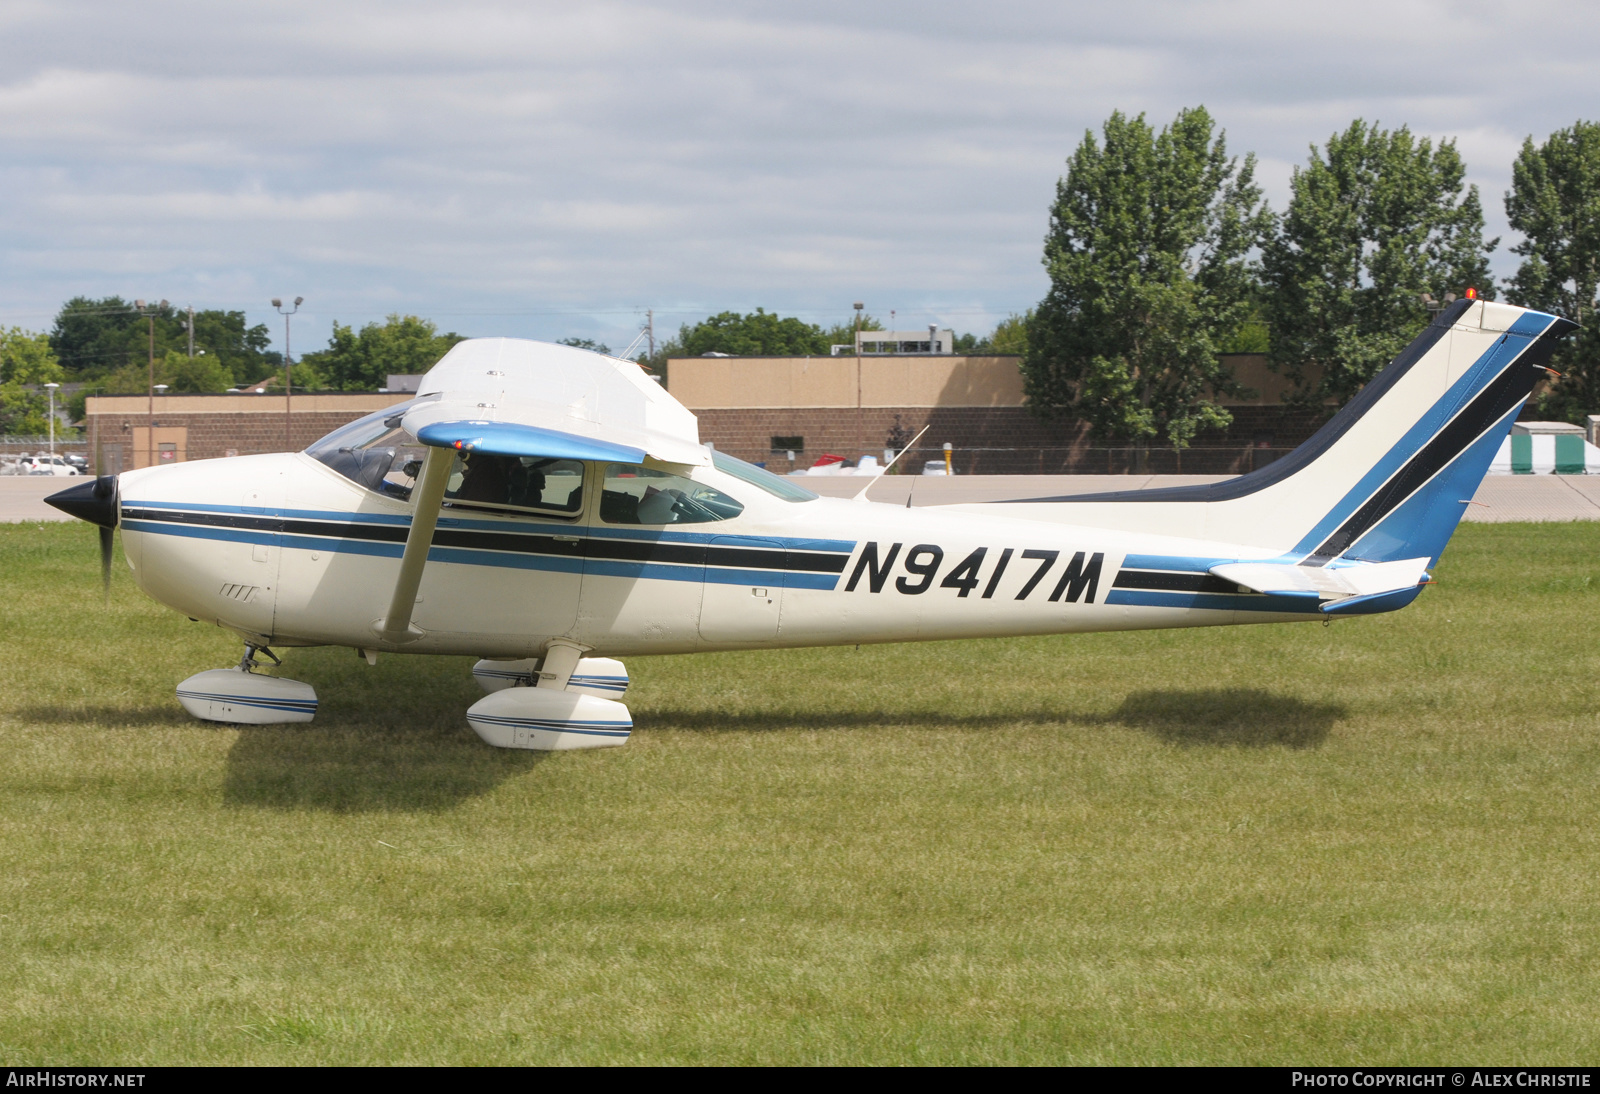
{"type": "Point", "coordinates": [632, 494]}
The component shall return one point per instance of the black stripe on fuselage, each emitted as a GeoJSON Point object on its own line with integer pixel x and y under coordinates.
{"type": "Point", "coordinates": [1167, 581]}
{"type": "Point", "coordinates": [625, 550]}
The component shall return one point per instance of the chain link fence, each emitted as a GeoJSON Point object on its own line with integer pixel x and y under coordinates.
{"type": "Point", "coordinates": [1207, 460]}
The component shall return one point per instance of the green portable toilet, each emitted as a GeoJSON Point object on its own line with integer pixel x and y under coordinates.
{"type": "Point", "coordinates": [1569, 454]}
{"type": "Point", "coordinates": [1521, 454]}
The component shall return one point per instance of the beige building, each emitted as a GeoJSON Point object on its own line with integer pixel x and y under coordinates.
{"type": "Point", "coordinates": [129, 431]}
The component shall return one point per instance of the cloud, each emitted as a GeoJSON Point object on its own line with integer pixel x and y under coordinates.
{"type": "Point", "coordinates": [550, 169]}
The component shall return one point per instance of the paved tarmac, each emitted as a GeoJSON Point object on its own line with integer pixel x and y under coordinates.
{"type": "Point", "coordinates": [1500, 498]}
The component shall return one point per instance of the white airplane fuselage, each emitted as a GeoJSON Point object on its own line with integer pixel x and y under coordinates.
{"type": "Point", "coordinates": [287, 552]}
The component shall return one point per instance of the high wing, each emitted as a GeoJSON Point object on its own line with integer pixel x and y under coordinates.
{"type": "Point", "coordinates": [518, 398]}
{"type": "Point", "coordinates": [509, 397]}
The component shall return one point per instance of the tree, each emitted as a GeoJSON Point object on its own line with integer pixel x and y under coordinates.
{"type": "Point", "coordinates": [1148, 254]}
{"type": "Point", "coordinates": [1554, 202]}
{"type": "Point", "coordinates": [1374, 220]}
{"type": "Point", "coordinates": [26, 361]}
{"type": "Point", "coordinates": [245, 353]}
{"type": "Point", "coordinates": [584, 343]}
{"type": "Point", "coordinates": [1010, 335]}
{"type": "Point", "coordinates": [759, 334]}
{"type": "Point", "coordinates": [363, 361]}
{"type": "Point", "coordinates": [26, 358]}
{"type": "Point", "coordinates": [95, 338]}
{"type": "Point", "coordinates": [844, 334]}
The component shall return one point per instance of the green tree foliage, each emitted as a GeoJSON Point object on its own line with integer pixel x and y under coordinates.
{"type": "Point", "coordinates": [244, 353]}
{"type": "Point", "coordinates": [363, 360]}
{"type": "Point", "coordinates": [95, 338]}
{"type": "Point", "coordinates": [181, 373]}
{"type": "Point", "coordinates": [26, 358]}
{"type": "Point", "coordinates": [26, 361]}
{"type": "Point", "coordinates": [1554, 202]}
{"type": "Point", "coordinates": [1148, 254]}
{"type": "Point", "coordinates": [844, 334]}
{"type": "Point", "coordinates": [584, 343]}
{"type": "Point", "coordinates": [1011, 335]}
{"type": "Point", "coordinates": [759, 334]}
{"type": "Point", "coordinates": [1375, 219]}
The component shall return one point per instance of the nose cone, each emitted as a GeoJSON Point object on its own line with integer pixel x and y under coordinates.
{"type": "Point", "coordinates": [95, 502]}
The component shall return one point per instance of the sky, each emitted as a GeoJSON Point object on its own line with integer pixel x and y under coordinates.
{"type": "Point", "coordinates": [554, 170]}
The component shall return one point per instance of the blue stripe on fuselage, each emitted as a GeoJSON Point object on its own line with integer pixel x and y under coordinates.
{"type": "Point", "coordinates": [662, 571]}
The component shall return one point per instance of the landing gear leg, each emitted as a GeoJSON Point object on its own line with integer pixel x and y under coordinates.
{"type": "Point", "coordinates": [248, 662]}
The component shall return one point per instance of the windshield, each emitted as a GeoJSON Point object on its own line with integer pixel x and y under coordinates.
{"type": "Point", "coordinates": [374, 451]}
{"type": "Point", "coordinates": [760, 477]}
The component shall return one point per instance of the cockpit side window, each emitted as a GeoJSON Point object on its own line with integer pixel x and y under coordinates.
{"type": "Point", "coordinates": [482, 480]}
{"type": "Point", "coordinates": [631, 494]}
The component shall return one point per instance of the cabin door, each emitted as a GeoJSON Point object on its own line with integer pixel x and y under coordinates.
{"type": "Point", "coordinates": [743, 591]}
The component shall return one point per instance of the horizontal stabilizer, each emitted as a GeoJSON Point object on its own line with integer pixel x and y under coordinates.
{"type": "Point", "coordinates": [512, 439]}
{"type": "Point", "coordinates": [1336, 582]}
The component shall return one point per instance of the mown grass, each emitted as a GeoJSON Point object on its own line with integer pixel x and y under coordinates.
{"type": "Point", "coordinates": [1373, 842]}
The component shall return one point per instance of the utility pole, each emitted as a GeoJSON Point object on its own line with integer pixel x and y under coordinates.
{"type": "Point", "coordinates": [150, 433]}
{"type": "Point", "coordinates": [191, 332]}
{"type": "Point", "coordinates": [288, 360]}
{"type": "Point", "coordinates": [650, 329]}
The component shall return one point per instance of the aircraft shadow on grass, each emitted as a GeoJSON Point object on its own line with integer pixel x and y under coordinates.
{"type": "Point", "coordinates": [1229, 717]}
{"type": "Point", "coordinates": [386, 739]}
{"type": "Point", "coordinates": [360, 756]}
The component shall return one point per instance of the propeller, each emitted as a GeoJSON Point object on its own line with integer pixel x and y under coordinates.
{"type": "Point", "coordinates": [98, 503]}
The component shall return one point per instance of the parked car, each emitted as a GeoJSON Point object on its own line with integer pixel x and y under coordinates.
{"type": "Point", "coordinates": [48, 465]}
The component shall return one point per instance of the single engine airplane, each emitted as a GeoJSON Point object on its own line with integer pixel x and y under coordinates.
{"type": "Point", "coordinates": [550, 510]}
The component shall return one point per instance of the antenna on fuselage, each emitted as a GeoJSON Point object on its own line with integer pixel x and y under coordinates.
{"type": "Point", "coordinates": [863, 495]}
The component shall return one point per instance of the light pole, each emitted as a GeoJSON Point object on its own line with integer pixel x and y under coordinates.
{"type": "Point", "coordinates": [858, 305]}
{"type": "Point", "coordinates": [288, 385]}
{"type": "Point", "coordinates": [51, 388]}
{"type": "Point", "coordinates": [150, 435]}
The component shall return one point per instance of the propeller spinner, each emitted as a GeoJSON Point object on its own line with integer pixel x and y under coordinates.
{"type": "Point", "coordinates": [96, 502]}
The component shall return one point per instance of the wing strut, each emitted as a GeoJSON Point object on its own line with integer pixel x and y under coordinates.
{"type": "Point", "coordinates": [428, 495]}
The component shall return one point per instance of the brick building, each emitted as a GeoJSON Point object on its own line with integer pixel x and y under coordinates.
{"type": "Point", "coordinates": [125, 434]}
{"type": "Point", "coordinates": [759, 409]}
{"type": "Point", "coordinates": [762, 408]}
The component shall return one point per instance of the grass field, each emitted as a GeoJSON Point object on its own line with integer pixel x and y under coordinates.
{"type": "Point", "coordinates": [1372, 842]}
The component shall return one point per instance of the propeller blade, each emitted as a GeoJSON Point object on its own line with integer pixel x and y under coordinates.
{"type": "Point", "coordinates": [106, 535]}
